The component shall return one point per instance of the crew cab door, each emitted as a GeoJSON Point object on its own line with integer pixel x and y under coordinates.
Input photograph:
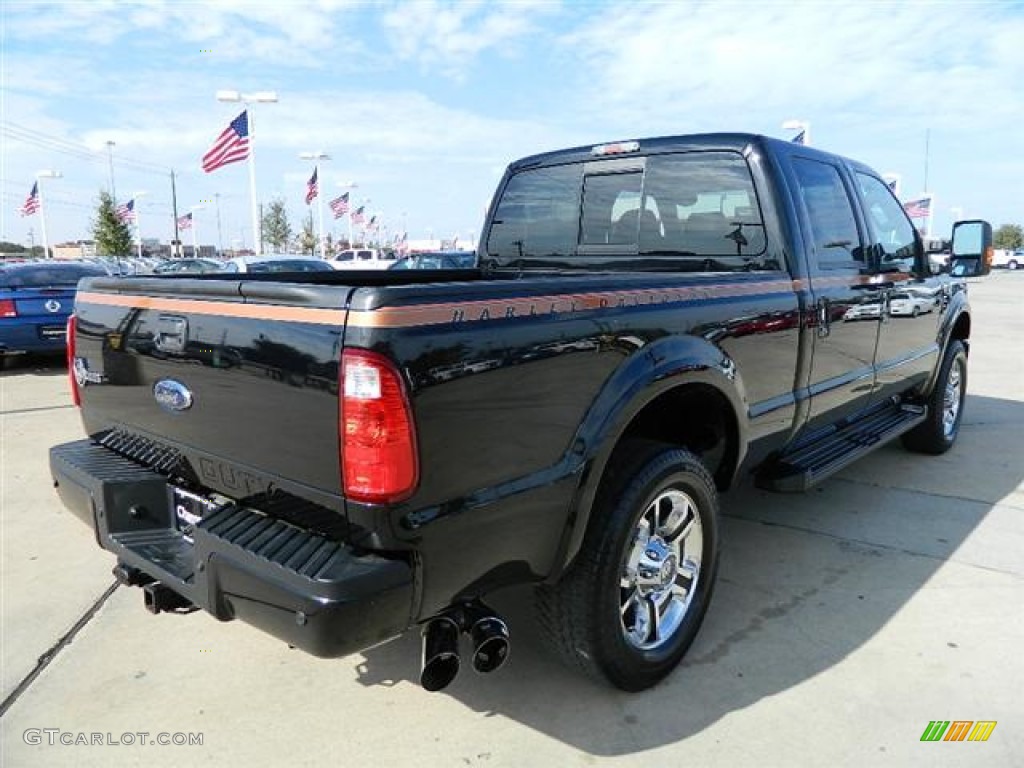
{"type": "Point", "coordinates": [845, 306]}
{"type": "Point", "coordinates": [908, 338]}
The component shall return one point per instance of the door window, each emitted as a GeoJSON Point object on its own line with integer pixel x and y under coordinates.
{"type": "Point", "coordinates": [830, 215]}
{"type": "Point", "coordinates": [891, 230]}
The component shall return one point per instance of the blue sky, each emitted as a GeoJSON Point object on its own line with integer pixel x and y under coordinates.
{"type": "Point", "coordinates": [423, 104]}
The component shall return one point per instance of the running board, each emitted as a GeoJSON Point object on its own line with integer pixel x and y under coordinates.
{"type": "Point", "coordinates": [809, 465]}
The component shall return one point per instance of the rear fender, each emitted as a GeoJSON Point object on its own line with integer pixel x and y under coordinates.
{"type": "Point", "coordinates": [649, 373]}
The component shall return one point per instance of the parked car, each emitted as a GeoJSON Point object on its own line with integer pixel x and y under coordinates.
{"type": "Point", "coordinates": [275, 264]}
{"type": "Point", "coordinates": [186, 266]}
{"type": "Point", "coordinates": [911, 304]}
{"type": "Point", "coordinates": [35, 301]}
{"type": "Point", "coordinates": [364, 258]}
{"type": "Point", "coordinates": [437, 260]}
{"type": "Point", "coordinates": [869, 310]}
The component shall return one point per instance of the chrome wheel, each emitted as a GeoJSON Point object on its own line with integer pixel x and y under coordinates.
{"type": "Point", "coordinates": [661, 570]}
{"type": "Point", "coordinates": [951, 398]}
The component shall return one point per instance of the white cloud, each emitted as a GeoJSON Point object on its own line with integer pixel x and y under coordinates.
{"type": "Point", "coordinates": [449, 36]}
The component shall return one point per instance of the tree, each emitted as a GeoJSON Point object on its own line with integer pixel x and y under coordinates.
{"type": "Point", "coordinates": [113, 237]}
{"type": "Point", "coordinates": [276, 229]}
{"type": "Point", "coordinates": [307, 238]}
{"type": "Point", "coordinates": [1009, 237]}
{"type": "Point", "coordinates": [6, 247]}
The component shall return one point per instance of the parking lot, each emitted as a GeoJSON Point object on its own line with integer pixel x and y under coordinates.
{"type": "Point", "coordinates": [845, 620]}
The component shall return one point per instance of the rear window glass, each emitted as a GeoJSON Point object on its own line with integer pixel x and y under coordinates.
{"type": "Point", "coordinates": [537, 216]}
{"type": "Point", "coordinates": [47, 275]}
{"type": "Point", "coordinates": [694, 206]}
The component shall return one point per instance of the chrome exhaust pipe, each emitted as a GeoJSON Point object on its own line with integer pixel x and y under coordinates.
{"type": "Point", "coordinates": [491, 643]}
{"type": "Point", "coordinates": [440, 653]}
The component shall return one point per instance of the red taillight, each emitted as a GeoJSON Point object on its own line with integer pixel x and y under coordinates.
{"type": "Point", "coordinates": [378, 439]}
{"type": "Point", "coordinates": [76, 398]}
{"type": "Point", "coordinates": [7, 308]}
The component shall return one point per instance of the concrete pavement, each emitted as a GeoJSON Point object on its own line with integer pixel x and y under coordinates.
{"type": "Point", "coordinates": [845, 620]}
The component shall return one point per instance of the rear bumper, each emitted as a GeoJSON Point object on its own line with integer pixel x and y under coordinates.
{"type": "Point", "coordinates": [309, 591]}
{"type": "Point", "coordinates": [27, 336]}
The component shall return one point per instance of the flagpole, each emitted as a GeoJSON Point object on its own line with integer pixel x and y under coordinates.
{"type": "Point", "coordinates": [320, 211]}
{"type": "Point", "coordinates": [176, 245]}
{"type": "Point", "coordinates": [248, 99]}
{"type": "Point", "coordinates": [257, 225]}
{"type": "Point", "coordinates": [42, 208]}
{"type": "Point", "coordinates": [42, 220]}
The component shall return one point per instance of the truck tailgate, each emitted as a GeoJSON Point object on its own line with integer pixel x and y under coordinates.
{"type": "Point", "coordinates": [236, 378]}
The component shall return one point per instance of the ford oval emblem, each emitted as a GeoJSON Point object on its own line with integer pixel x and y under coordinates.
{"type": "Point", "coordinates": [172, 395]}
{"type": "Point", "coordinates": [52, 305]}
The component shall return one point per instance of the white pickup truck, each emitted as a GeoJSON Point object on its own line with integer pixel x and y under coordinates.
{"type": "Point", "coordinates": [364, 258]}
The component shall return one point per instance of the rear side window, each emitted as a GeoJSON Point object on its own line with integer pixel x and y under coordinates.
{"type": "Point", "coordinates": [44, 276]}
{"type": "Point", "coordinates": [829, 213]}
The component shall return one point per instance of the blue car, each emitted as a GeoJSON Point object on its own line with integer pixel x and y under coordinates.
{"type": "Point", "coordinates": [35, 301]}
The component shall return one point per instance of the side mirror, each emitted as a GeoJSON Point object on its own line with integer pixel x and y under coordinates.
{"type": "Point", "coordinates": [972, 249]}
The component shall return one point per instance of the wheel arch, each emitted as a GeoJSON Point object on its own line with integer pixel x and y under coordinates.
{"type": "Point", "coordinates": [684, 392]}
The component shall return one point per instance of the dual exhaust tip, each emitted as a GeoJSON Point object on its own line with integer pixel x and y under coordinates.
{"type": "Point", "coordinates": [441, 661]}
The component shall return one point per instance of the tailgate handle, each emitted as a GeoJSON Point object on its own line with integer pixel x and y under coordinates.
{"type": "Point", "coordinates": [171, 333]}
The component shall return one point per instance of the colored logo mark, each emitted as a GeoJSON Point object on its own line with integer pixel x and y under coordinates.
{"type": "Point", "coordinates": [958, 730]}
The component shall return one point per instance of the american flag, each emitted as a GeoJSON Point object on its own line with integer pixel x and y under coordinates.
{"type": "Point", "coordinates": [31, 204]}
{"type": "Point", "coordinates": [185, 222]}
{"type": "Point", "coordinates": [357, 215]}
{"type": "Point", "coordinates": [126, 212]}
{"type": "Point", "coordinates": [231, 146]}
{"type": "Point", "coordinates": [918, 209]}
{"type": "Point", "coordinates": [340, 206]}
{"type": "Point", "coordinates": [312, 187]}
{"type": "Point", "coordinates": [373, 223]}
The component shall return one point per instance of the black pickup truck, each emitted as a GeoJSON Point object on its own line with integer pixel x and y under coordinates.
{"type": "Point", "coordinates": [337, 458]}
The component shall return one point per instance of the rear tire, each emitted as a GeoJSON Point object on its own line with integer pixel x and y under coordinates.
{"type": "Point", "coordinates": [938, 432]}
{"type": "Point", "coordinates": [631, 604]}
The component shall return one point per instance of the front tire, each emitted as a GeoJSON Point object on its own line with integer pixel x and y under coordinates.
{"type": "Point", "coordinates": [938, 432]}
{"type": "Point", "coordinates": [632, 602]}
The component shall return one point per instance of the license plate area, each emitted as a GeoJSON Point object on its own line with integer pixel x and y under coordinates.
{"type": "Point", "coordinates": [52, 331]}
{"type": "Point", "coordinates": [189, 509]}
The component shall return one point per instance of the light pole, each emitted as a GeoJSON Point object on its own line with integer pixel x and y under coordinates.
{"type": "Point", "coordinates": [138, 219]}
{"type": "Point", "coordinates": [220, 237]}
{"type": "Point", "coordinates": [364, 205]}
{"type": "Point", "coordinates": [318, 156]}
{"type": "Point", "coordinates": [42, 208]}
{"type": "Point", "coordinates": [261, 97]}
{"type": "Point", "coordinates": [804, 129]}
{"type": "Point", "coordinates": [350, 185]}
{"type": "Point", "coordinates": [195, 230]}
{"type": "Point", "coordinates": [110, 165]}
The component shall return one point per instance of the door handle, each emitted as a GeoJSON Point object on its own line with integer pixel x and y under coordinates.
{"type": "Point", "coordinates": [823, 318]}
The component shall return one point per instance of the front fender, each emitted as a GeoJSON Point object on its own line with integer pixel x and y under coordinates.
{"type": "Point", "coordinates": [651, 371]}
{"type": "Point", "coordinates": [957, 311]}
